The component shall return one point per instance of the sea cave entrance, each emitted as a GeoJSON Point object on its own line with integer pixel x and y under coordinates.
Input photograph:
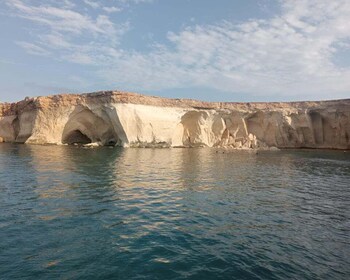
{"type": "Point", "coordinates": [76, 137]}
{"type": "Point", "coordinates": [85, 127]}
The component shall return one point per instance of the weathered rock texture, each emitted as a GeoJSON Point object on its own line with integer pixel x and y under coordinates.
{"type": "Point", "coordinates": [133, 120]}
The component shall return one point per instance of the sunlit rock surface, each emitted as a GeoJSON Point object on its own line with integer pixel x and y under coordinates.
{"type": "Point", "coordinates": [116, 118]}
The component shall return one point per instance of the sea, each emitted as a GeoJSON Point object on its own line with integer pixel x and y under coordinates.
{"type": "Point", "coordinates": [68, 212]}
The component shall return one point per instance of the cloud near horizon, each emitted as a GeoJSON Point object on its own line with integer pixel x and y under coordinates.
{"type": "Point", "coordinates": [292, 53]}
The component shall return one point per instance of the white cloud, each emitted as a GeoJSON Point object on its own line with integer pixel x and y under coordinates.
{"type": "Point", "coordinates": [55, 40]}
{"type": "Point", "coordinates": [64, 20]}
{"type": "Point", "coordinates": [112, 9]}
{"type": "Point", "coordinates": [289, 54]}
{"type": "Point", "coordinates": [92, 4]}
{"type": "Point", "coordinates": [33, 49]}
{"type": "Point", "coordinates": [70, 35]}
{"type": "Point", "coordinates": [80, 58]}
{"type": "Point", "coordinates": [135, 1]}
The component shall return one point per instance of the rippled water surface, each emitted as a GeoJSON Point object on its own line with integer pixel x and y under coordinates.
{"type": "Point", "coordinates": [73, 213]}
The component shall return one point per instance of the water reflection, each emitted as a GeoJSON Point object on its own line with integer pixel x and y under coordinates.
{"type": "Point", "coordinates": [172, 213]}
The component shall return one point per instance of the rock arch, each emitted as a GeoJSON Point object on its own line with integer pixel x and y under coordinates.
{"type": "Point", "coordinates": [84, 126]}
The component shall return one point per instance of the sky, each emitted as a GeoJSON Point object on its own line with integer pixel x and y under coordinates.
{"type": "Point", "coordinates": [222, 50]}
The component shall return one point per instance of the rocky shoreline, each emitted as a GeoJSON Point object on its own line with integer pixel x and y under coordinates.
{"type": "Point", "coordinates": [114, 118]}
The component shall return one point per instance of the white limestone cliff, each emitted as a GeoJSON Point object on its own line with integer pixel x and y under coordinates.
{"type": "Point", "coordinates": [132, 120]}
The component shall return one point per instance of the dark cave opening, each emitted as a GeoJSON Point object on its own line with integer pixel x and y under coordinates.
{"type": "Point", "coordinates": [111, 143]}
{"type": "Point", "coordinates": [76, 137]}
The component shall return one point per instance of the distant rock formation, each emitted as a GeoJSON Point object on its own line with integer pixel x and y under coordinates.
{"type": "Point", "coordinates": [132, 120]}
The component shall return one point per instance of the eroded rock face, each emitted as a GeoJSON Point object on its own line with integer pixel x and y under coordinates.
{"type": "Point", "coordinates": [132, 120]}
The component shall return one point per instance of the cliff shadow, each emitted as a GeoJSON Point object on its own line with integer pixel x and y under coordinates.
{"type": "Point", "coordinates": [317, 127]}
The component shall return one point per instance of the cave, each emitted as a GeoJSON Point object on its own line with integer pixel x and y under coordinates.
{"type": "Point", "coordinates": [111, 142]}
{"type": "Point", "coordinates": [76, 137]}
{"type": "Point", "coordinates": [85, 127]}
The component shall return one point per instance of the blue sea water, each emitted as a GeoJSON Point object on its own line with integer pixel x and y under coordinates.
{"type": "Point", "coordinates": [112, 213]}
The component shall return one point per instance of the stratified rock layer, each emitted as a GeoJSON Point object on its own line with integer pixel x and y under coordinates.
{"type": "Point", "coordinates": [134, 120]}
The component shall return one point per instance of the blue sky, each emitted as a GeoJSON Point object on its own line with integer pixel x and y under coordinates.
{"type": "Point", "coordinates": [222, 50]}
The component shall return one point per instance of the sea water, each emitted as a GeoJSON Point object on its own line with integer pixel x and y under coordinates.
{"type": "Point", "coordinates": [111, 213]}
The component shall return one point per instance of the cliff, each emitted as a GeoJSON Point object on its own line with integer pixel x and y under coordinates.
{"type": "Point", "coordinates": [134, 120]}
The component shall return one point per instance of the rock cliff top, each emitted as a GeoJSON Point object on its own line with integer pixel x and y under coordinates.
{"type": "Point", "coordinates": [105, 97]}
